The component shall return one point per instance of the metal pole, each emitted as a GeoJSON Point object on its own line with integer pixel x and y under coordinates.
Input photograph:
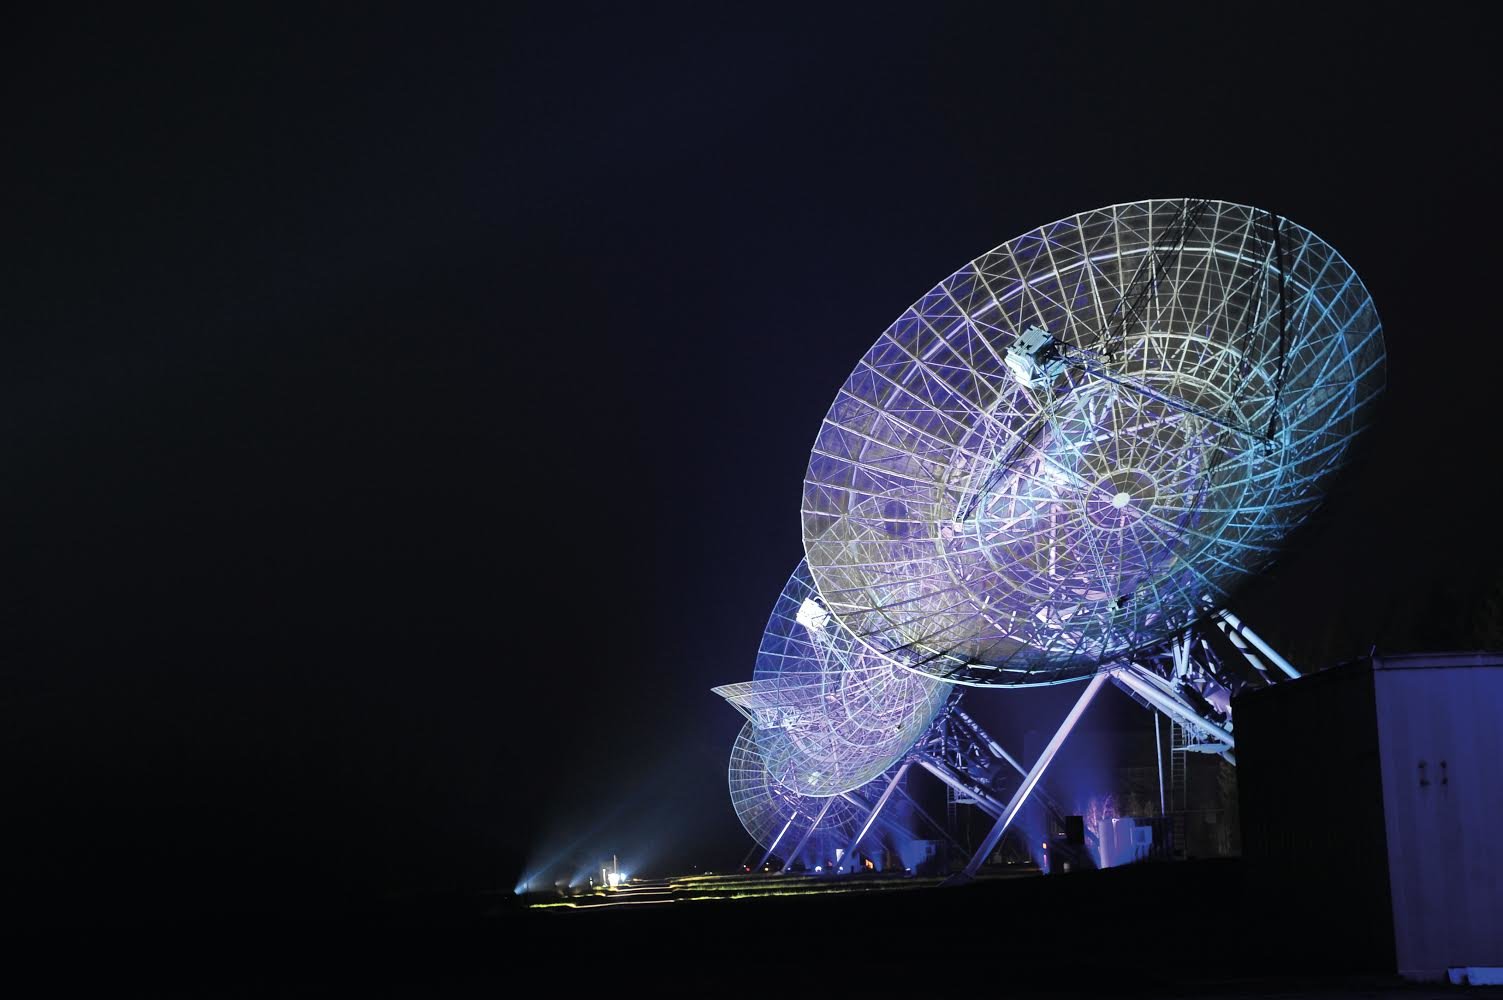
{"type": "Point", "coordinates": [1158, 755]}
{"type": "Point", "coordinates": [850, 852]}
{"type": "Point", "coordinates": [1021, 795]}
{"type": "Point", "coordinates": [774, 845]}
{"type": "Point", "coordinates": [1138, 679]}
{"type": "Point", "coordinates": [1262, 647]}
{"type": "Point", "coordinates": [991, 805]}
{"type": "Point", "coordinates": [888, 824]}
{"type": "Point", "coordinates": [1180, 650]}
{"type": "Point", "coordinates": [1242, 647]}
{"type": "Point", "coordinates": [983, 801]}
{"type": "Point", "coordinates": [804, 840]}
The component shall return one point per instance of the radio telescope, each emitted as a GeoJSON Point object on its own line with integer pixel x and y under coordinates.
{"type": "Point", "coordinates": [1081, 442]}
{"type": "Point", "coordinates": [1057, 465]}
{"type": "Point", "coordinates": [843, 714]}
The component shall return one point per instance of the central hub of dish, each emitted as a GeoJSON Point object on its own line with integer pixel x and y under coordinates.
{"type": "Point", "coordinates": [1064, 511]}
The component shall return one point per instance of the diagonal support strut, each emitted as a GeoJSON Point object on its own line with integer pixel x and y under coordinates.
{"type": "Point", "coordinates": [1035, 773]}
{"type": "Point", "coordinates": [850, 852]}
{"type": "Point", "coordinates": [804, 840]}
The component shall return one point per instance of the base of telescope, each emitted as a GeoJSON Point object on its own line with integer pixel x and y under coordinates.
{"type": "Point", "coordinates": [1183, 680]}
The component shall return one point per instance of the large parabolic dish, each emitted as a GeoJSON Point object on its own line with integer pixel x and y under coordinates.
{"type": "Point", "coordinates": [831, 713]}
{"type": "Point", "coordinates": [771, 811]}
{"type": "Point", "coordinates": [989, 519]}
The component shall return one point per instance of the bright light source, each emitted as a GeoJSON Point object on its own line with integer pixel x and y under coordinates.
{"type": "Point", "coordinates": [613, 879]}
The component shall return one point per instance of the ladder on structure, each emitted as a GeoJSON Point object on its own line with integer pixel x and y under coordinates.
{"type": "Point", "coordinates": [1179, 740]}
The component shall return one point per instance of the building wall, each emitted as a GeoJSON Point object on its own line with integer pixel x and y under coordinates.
{"type": "Point", "coordinates": [1439, 719]}
{"type": "Point", "coordinates": [1357, 856]}
{"type": "Point", "coordinates": [1313, 839]}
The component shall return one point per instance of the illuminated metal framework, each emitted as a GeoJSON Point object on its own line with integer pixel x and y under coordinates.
{"type": "Point", "coordinates": [1057, 465]}
{"type": "Point", "coordinates": [788, 825]}
{"type": "Point", "coordinates": [843, 714]}
{"type": "Point", "coordinates": [976, 769]}
{"type": "Point", "coordinates": [825, 717]}
{"type": "Point", "coordinates": [832, 831]}
{"type": "Point", "coordinates": [1194, 370]}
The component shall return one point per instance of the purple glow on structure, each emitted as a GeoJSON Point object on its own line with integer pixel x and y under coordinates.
{"type": "Point", "coordinates": [831, 714]}
{"type": "Point", "coordinates": [988, 529]}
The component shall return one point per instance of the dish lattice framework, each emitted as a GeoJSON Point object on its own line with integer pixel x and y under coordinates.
{"type": "Point", "coordinates": [1214, 364]}
{"type": "Point", "coordinates": [774, 813]}
{"type": "Point", "coordinates": [832, 713]}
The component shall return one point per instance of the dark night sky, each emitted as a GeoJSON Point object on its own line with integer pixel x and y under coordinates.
{"type": "Point", "coordinates": [405, 412]}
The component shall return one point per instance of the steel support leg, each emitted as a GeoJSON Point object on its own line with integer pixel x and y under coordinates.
{"type": "Point", "coordinates": [884, 823]}
{"type": "Point", "coordinates": [850, 852]}
{"type": "Point", "coordinates": [1001, 754]}
{"type": "Point", "coordinates": [1021, 795]}
{"type": "Point", "coordinates": [775, 841]}
{"type": "Point", "coordinates": [1151, 688]}
{"type": "Point", "coordinates": [1158, 754]}
{"type": "Point", "coordinates": [1241, 645]}
{"type": "Point", "coordinates": [984, 802]}
{"type": "Point", "coordinates": [804, 840]}
{"type": "Point", "coordinates": [1238, 628]}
